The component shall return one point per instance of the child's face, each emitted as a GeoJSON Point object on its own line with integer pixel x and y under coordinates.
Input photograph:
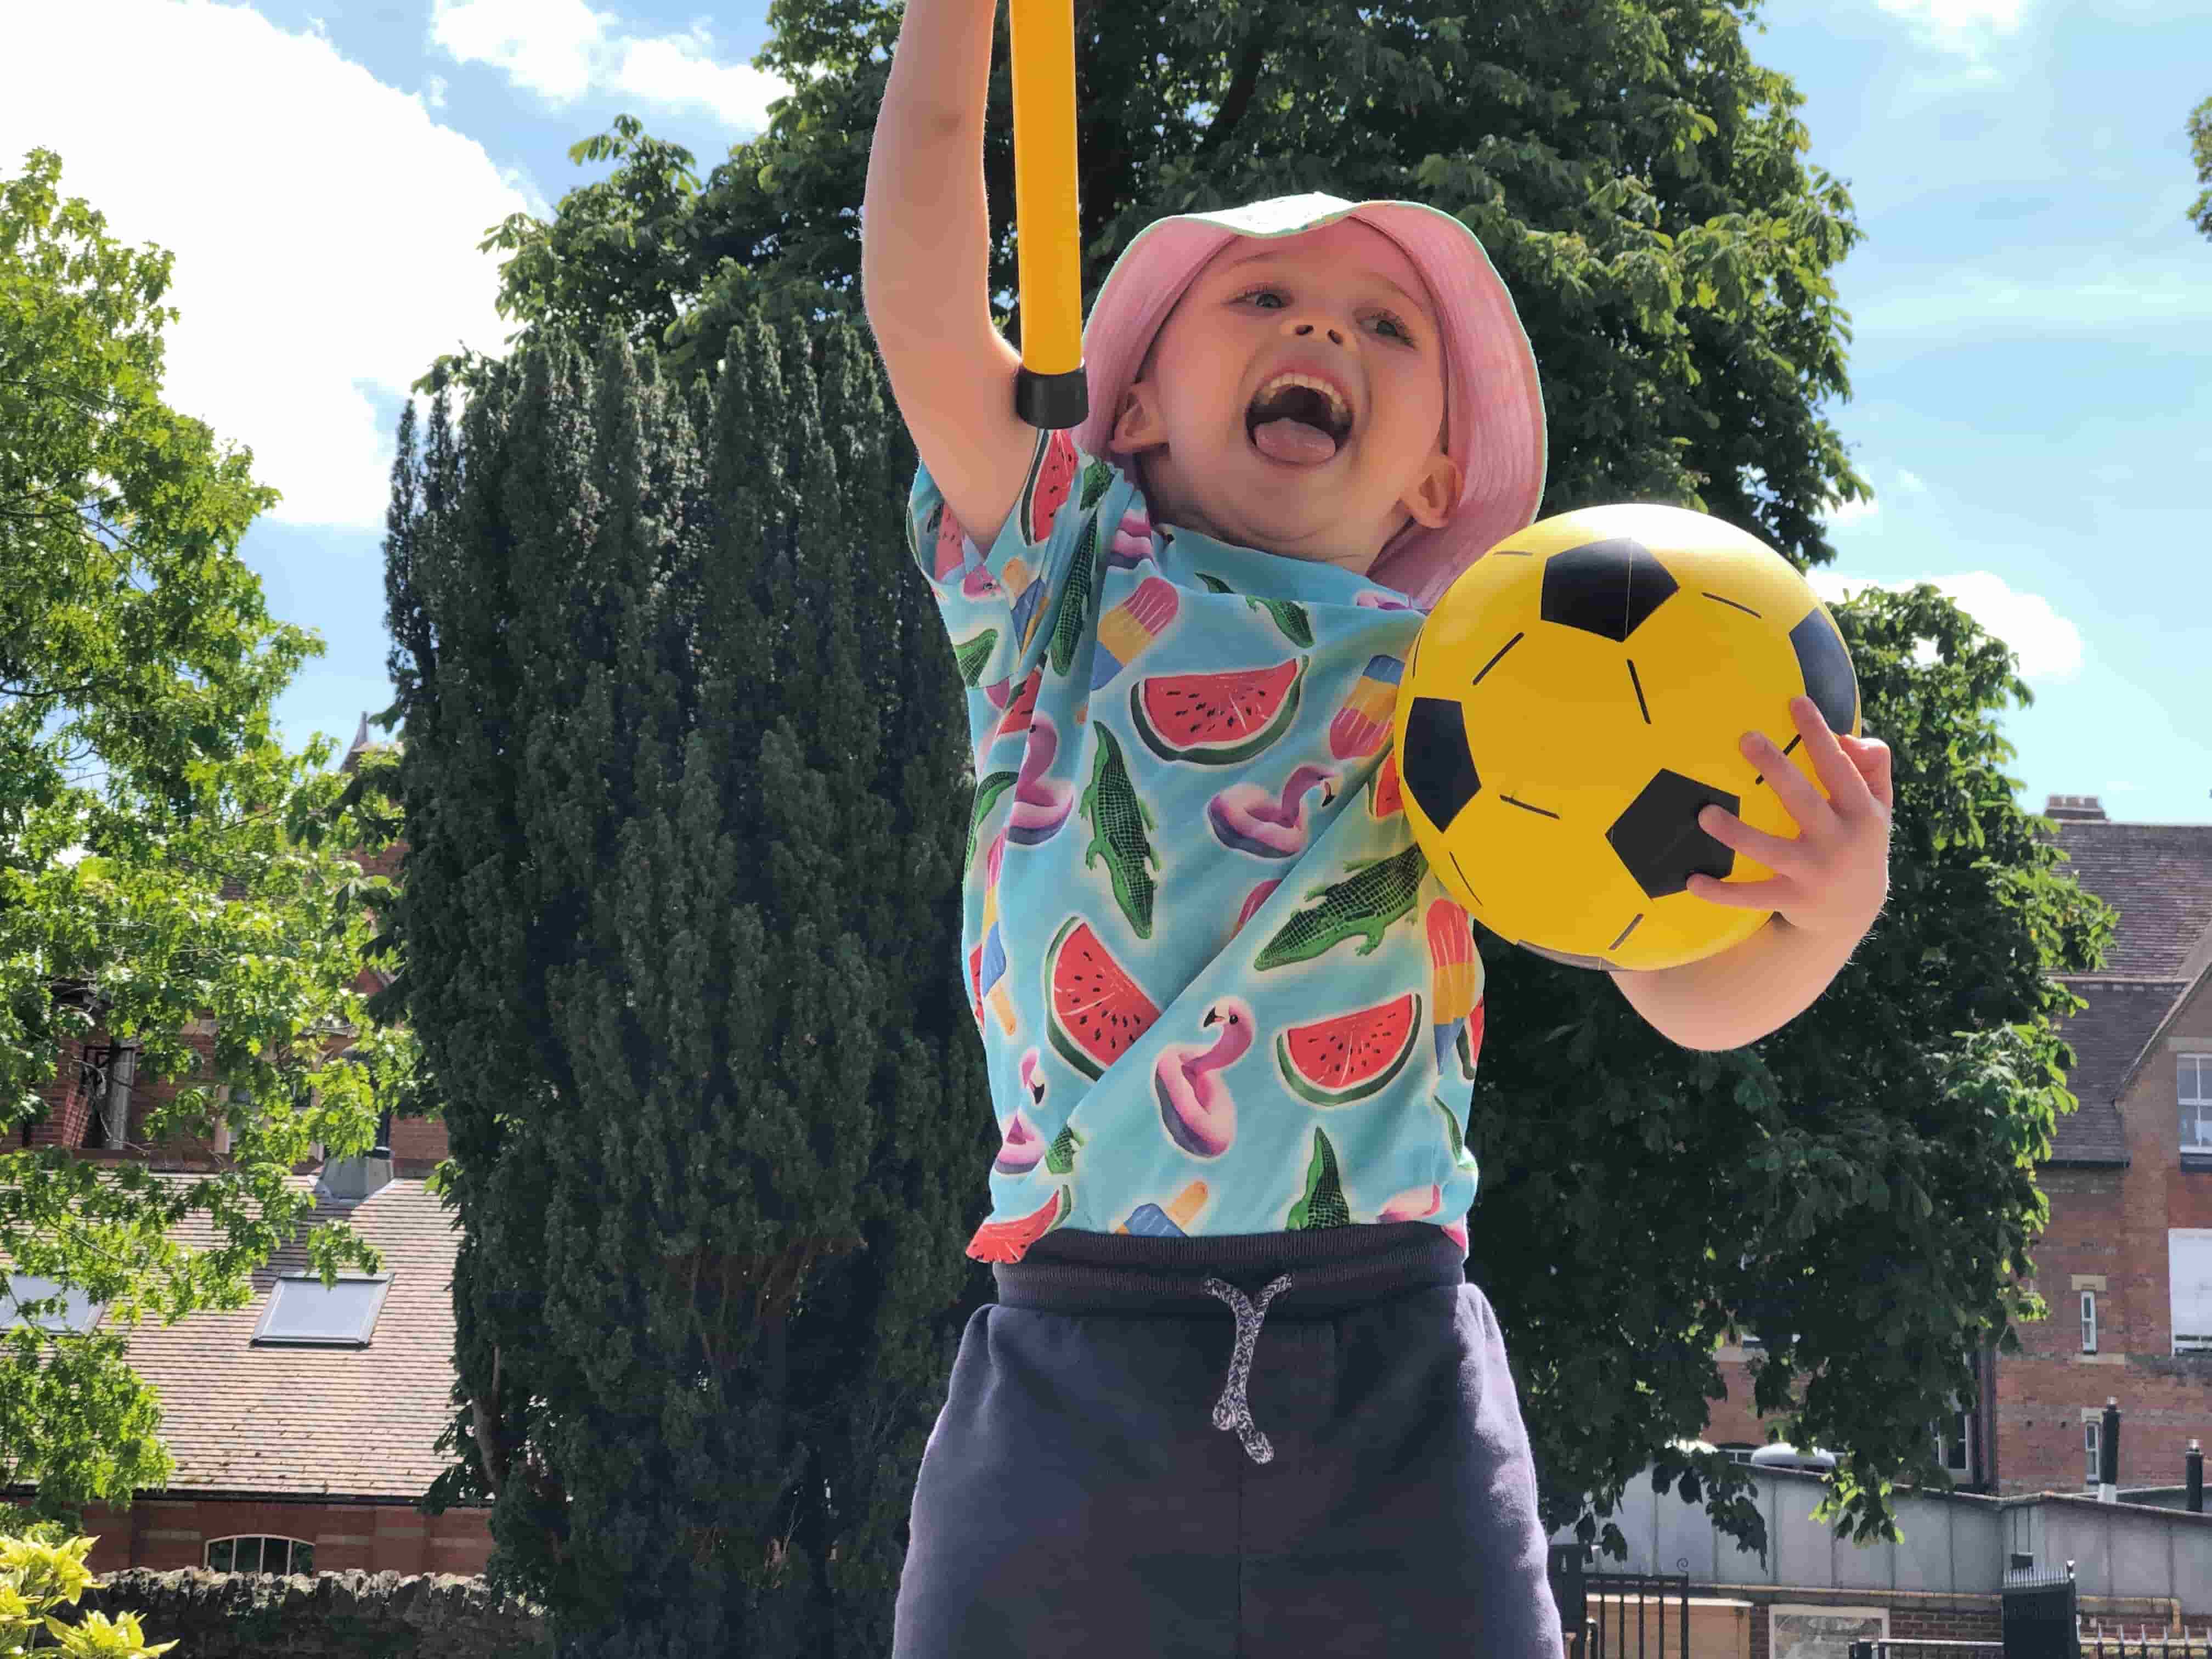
{"type": "Point", "coordinates": [1229, 448]}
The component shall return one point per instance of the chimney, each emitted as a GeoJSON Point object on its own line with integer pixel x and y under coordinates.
{"type": "Point", "coordinates": [2077, 809]}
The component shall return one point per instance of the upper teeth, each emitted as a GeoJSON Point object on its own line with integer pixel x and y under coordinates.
{"type": "Point", "coordinates": [1337, 407]}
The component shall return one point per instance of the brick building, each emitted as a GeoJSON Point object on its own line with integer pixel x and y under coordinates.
{"type": "Point", "coordinates": [2126, 1262]}
{"type": "Point", "coordinates": [304, 1426]}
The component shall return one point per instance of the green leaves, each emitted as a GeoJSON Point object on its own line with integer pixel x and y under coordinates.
{"type": "Point", "coordinates": [163, 862]}
{"type": "Point", "coordinates": [685, 787]}
{"type": "Point", "coordinates": [2200, 150]}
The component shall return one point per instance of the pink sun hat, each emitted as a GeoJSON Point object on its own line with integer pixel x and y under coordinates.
{"type": "Point", "coordinates": [1494, 407]}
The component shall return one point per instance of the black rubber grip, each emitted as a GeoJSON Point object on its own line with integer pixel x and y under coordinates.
{"type": "Point", "coordinates": [1052, 402]}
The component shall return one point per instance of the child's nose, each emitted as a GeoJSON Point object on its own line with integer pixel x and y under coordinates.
{"type": "Point", "coordinates": [1303, 329]}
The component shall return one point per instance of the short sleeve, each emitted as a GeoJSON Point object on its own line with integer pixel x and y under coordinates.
{"type": "Point", "coordinates": [1000, 605]}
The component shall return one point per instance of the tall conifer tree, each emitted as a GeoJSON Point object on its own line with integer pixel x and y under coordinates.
{"type": "Point", "coordinates": [685, 788]}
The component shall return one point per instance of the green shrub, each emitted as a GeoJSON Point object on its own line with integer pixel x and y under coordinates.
{"type": "Point", "coordinates": [42, 1569]}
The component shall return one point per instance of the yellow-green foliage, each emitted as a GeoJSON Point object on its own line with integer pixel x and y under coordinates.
{"type": "Point", "coordinates": [43, 1570]}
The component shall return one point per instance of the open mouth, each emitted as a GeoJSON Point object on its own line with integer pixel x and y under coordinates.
{"type": "Point", "coordinates": [1298, 420]}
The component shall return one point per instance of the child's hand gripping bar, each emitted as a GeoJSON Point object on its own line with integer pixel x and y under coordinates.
{"type": "Point", "coordinates": [1051, 391]}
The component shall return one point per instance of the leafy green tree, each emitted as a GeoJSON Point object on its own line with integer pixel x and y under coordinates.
{"type": "Point", "coordinates": [686, 791]}
{"type": "Point", "coordinates": [162, 859]}
{"type": "Point", "coordinates": [1859, 1187]}
{"type": "Point", "coordinates": [2200, 150]}
{"type": "Point", "coordinates": [1636, 175]}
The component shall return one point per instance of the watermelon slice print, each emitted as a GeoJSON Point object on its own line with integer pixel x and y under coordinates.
{"type": "Point", "coordinates": [1218, 719]}
{"type": "Point", "coordinates": [1348, 1057]}
{"type": "Point", "coordinates": [1019, 710]}
{"type": "Point", "coordinates": [1051, 482]}
{"type": "Point", "coordinates": [1009, 1240]}
{"type": "Point", "coordinates": [1321, 1204]}
{"type": "Point", "coordinates": [1094, 1010]}
{"type": "Point", "coordinates": [1386, 796]}
{"type": "Point", "coordinates": [951, 548]}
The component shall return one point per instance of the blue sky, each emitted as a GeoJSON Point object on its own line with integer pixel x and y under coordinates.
{"type": "Point", "coordinates": [2033, 315]}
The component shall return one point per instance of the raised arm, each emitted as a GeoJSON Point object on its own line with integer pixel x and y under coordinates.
{"type": "Point", "coordinates": [924, 266]}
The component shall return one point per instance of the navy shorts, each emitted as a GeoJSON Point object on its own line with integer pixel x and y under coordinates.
{"type": "Point", "coordinates": [1279, 1444]}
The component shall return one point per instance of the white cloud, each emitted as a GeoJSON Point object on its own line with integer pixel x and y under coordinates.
{"type": "Point", "coordinates": [434, 91]}
{"type": "Point", "coordinates": [1911, 483]}
{"type": "Point", "coordinates": [1843, 513]}
{"type": "Point", "coordinates": [1957, 24]}
{"type": "Point", "coordinates": [2103, 295]}
{"type": "Point", "coordinates": [2049, 645]}
{"type": "Point", "coordinates": [563, 49]}
{"type": "Point", "coordinates": [325, 227]}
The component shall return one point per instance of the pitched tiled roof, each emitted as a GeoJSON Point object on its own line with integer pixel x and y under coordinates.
{"type": "Point", "coordinates": [2157, 876]}
{"type": "Point", "coordinates": [348, 1422]}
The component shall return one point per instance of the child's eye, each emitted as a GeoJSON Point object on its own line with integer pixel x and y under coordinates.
{"type": "Point", "coordinates": [1259, 293]}
{"type": "Point", "coordinates": [1385, 319]}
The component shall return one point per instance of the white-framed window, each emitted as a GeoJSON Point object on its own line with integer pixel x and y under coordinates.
{"type": "Point", "coordinates": [260, 1554]}
{"type": "Point", "coordinates": [2189, 1277]}
{"type": "Point", "coordinates": [2088, 1321]}
{"type": "Point", "coordinates": [2093, 1434]}
{"type": "Point", "coordinates": [79, 1312]}
{"type": "Point", "coordinates": [305, 1313]}
{"type": "Point", "coordinates": [2192, 1089]}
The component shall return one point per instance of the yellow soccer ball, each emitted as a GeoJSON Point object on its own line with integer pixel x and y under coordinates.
{"type": "Point", "coordinates": [1577, 697]}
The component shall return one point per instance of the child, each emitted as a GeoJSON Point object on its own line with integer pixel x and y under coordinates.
{"type": "Point", "coordinates": [1237, 1395]}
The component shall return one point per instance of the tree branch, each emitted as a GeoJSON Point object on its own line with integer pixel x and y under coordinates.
{"type": "Point", "coordinates": [1242, 85]}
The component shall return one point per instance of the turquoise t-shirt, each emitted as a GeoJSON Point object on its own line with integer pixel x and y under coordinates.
{"type": "Point", "coordinates": [1218, 990]}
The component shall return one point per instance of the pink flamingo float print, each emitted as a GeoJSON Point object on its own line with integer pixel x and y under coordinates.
{"type": "Point", "coordinates": [1248, 819]}
{"type": "Point", "coordinates": [1196, 1108]}
{"type": "Point", "coordinates": [1022, 1146]}
{"type": "Point", "coordinates": [1132, 543]}
{"type": "Point", "coordinates": [1375, 599]}
{"type": "Point", "coordinates": [1040, 804]}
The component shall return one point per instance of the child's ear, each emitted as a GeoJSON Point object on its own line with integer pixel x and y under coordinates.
{"type": "Point", "coordinates": [1138, 427]}
{"type": "Point", "coordinates": [1434, 495]}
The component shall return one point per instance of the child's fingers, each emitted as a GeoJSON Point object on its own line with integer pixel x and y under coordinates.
{"type": "Point", "coordinates": [1796, 793]}
{"type": "Point", "coordinates": [1846, 788]}
{"type": "Point", "coordinates": [1876, 765]}
{"type": "Point", "coordinates": [1743, 895]}
{"type": "Point", "coordinates": [1782, 854]}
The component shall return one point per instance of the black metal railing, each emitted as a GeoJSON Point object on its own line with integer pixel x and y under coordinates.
{"type": "Point", "coordinates": [1618, 1616]}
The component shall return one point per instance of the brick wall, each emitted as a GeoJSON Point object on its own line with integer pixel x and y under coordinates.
{"type": "Point", "coordinates": [167, 1534]}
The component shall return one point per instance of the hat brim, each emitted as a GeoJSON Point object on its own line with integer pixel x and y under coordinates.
{"type": "Point", "coordinates": [1494, 401]}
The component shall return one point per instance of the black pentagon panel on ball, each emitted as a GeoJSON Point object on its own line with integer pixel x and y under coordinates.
{"type": "Point", "coordinates": [1609, 587]}
{"type": "Point", "coordinates": [1825, 663]}
{"type": "Point", "coordinates": [1565, 958]}
{"type": "Point", "coordinates": [1659, 840]}
{"type": "Point", "coordinates": [1436, 769]}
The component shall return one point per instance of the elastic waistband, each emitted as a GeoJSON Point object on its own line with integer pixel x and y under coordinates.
{"type": "Point", "coordinates": [1333, 1270]}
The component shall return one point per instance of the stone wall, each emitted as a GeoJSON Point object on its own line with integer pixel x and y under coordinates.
{"type": "Point", "coordinates": [331, 1615]}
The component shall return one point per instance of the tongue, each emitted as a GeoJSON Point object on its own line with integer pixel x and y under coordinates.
{"type": "Point", "coordinates": [1295, 442]}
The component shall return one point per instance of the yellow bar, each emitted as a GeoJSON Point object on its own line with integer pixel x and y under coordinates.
{"type": "Point", "coordinates": [1049, 240]}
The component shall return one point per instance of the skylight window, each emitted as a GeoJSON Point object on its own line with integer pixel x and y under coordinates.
{"type": "Point", "coordinates": [304, 1314]}
{"type": "Point", "coordinates": [81, 1313]}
